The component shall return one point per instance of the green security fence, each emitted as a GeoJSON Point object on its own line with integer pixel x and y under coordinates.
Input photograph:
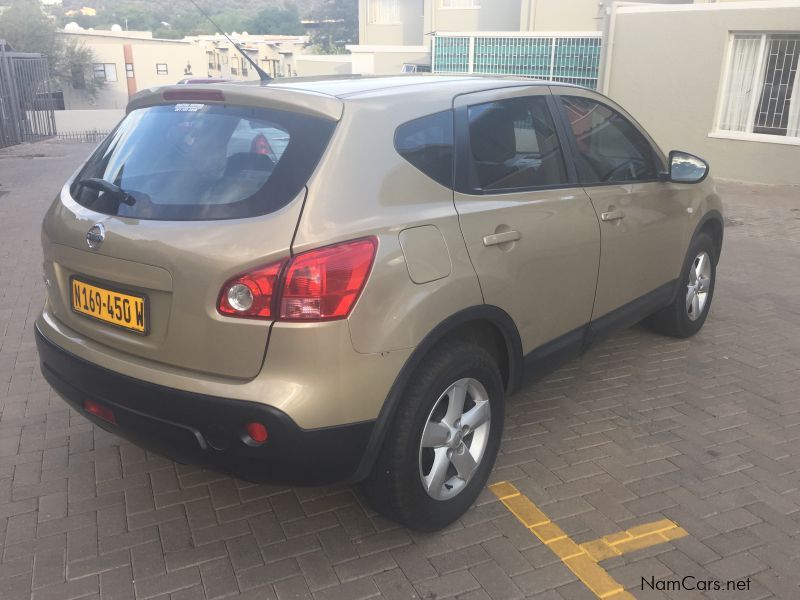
{"type": "Point", "coordinates": [451, 54]}
{"type": "Point", "coordinates": [569, 58]}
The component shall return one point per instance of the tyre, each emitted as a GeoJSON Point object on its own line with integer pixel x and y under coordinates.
{"type": "Point", "coordinates": [687, 313]}
{"type": "Point", "coordinates": [441, 447]}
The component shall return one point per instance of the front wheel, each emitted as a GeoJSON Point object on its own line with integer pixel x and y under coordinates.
{"type": "Point", "coordinates": [687, 313]}
{"type": "Point", "coordinates": [442, 445]}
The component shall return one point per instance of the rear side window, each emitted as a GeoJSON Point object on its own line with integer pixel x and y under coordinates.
{"type": "Point", "coordinates": [609, 147]}
{"type": "Point", "coordinates": [427, 143]}
{"type": "Point", "coordinates": [514, 145]}
{"type": "Point", "coordinates": [198, 161]}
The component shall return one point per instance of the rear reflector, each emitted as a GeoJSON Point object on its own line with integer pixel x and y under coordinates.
{"type": "Point", "coordinates": [100, 411]}
{"type": "Point", "coordinates": [194, 96]}
{"type": "Point", "coordinates": [257, 432]}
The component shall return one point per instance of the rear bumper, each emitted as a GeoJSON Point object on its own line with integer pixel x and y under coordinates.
{"type": "Point", "coordinates": [206, 430]}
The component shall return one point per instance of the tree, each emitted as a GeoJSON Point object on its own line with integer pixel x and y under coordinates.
{"type": "Point", "coordinates": [338, 25]}
{"type": "Point", "coordinates": [74, 67]}
{"type": "Point", "coordinates": [276, 19]}
{"type": "Point", "coordinates": [229, 22]}
{"type": "Point", "coordinates": [28, 29]}
{"type": "Point", "coordinates": [128, 15]}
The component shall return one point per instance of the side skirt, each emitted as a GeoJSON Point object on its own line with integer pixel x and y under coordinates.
{"type": "Point", "coordinates": [550, 356]}
{"type": "Point", "coordinates": [633, 312]}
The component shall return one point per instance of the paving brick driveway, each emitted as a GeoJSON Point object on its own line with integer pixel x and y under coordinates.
{"type": "Point", "coordinates": [704, 432]}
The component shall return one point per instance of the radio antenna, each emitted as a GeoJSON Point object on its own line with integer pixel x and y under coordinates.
{"type": "Point", "coordinates": [262, 74]}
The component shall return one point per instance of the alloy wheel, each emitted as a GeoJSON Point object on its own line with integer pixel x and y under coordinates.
{"type": "Point", "coordinates": [698, 286]}
{"type": "Point", "coordinates": [454, 439]}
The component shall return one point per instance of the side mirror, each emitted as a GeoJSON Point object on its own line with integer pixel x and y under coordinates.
{"type": "Point", "coordinates": [686, 168]}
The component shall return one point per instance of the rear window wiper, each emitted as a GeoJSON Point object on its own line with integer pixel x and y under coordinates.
{"type": "Point", "coordinates": [101, 185]}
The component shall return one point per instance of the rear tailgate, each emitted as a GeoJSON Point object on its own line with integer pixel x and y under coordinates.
{"type": "Point", "coordinates": [180, 268]}
{"type": "Point", "coordinates": [208, 206]}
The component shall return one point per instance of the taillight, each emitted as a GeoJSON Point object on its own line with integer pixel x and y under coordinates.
{"type": "Point", "coordinates": [317, 285]}
{"type": "Point", "coordinates": [325, 283]}
{"type": "Point", "coordinates": [250, 294]}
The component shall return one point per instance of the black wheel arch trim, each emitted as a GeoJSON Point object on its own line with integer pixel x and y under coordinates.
{"type": "Point", "coordinates": [487, 313]}
{"type": "Point", "coordinates": [711, 215]}
{"type": "Point", "coordinates": [518, 364]}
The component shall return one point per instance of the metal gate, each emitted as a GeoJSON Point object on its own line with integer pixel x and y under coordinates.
{"type": "Point", "coordinates": [571, 57]}
{"type": "Point", "coordinates": [26, 104]}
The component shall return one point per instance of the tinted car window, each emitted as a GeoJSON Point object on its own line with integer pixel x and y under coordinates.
{"type": "Point", "coordinates": [609, 147]}
{"type": "Point", "coordinates": [198, 161]}
{"type": "Point", "coordinates": [427, 143]}
{"type": "Point", "coordinates": [514, 145]}
{"type": "Point", "coordinates": [261, 138]}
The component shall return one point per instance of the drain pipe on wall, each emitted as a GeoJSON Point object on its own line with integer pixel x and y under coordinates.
{"type": "Point", "coordinates": [608, 14]}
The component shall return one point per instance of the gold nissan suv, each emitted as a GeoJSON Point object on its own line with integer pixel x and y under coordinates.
{"type": "Point", "coordinates": [330, 280]}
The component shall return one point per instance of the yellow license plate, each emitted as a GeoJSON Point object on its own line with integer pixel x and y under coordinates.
{"type": "Point", "coordinates": [117, 308]}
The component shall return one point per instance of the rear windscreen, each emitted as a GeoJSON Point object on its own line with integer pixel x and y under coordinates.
{"type": "Point", "coordinates": [203, 161]}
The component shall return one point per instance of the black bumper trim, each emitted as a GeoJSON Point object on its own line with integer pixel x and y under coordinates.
{"type": "Point", "coordinates": [206, 430]}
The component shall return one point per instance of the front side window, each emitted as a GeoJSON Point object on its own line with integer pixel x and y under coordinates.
{"type": "Point", "coordinates": [762, 90]}
{"type": "Point", "coordinates": [427, 143]}
{"type": "Point", "coordinates": [203, 161]}
{"type": "Point", "coordinates": [384, 12]}
{"type": "Point", "coordinates": [514, 145]}
{"type": "Point", "coordinates": [610, 149]}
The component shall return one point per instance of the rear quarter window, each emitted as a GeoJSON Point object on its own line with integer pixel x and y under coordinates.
{"type": "Point", "coordinates": [204, 161]}
{"type": "Point", "coordinates": [514, 146]}
{"type": "Point", "coordinates": [427, 143]}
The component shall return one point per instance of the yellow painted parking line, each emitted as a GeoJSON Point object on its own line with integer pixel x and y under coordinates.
{"type": "Point", "coordinates": [583, 559]}
{"type": "Point", "coordinates": [635, 538]}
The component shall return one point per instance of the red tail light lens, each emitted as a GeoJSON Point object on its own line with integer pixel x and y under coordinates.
{"type": "Point", "coordinates": [318, 285]}
{"type": "Point", "coordinates": [250, 294]}
{"type": "Point", "coordinates": [100, 411]}
{"type": "Point", "coordinates": [325, 283]}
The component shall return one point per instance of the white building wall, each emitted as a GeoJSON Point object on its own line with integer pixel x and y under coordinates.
{"type": "Point", "coordinates": [674, 89]}
{"type": "Point", "coordinates": [108, 48]}
{"type": "Point", "coordinates": [314, 65]}
{"type": "Point", "coordinates": [73, 121]}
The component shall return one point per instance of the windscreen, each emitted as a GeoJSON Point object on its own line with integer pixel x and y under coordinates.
{"type": "Point", "coordinates": [203, 161]}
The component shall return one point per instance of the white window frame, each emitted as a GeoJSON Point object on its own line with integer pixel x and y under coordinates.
{"type": "Point", "coordinates": [109, 71]}
{"type": "Point", "coordinates": [459, 4]}
{"type": "Point", "coordinates": [758, 78]}
{"type": "Point", "coordinates": [166, 69]}
{"type": "Point", "coordinates": [383, 16]}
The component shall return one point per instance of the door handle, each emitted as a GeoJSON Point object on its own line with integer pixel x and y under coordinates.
{"type": "Point", "coordinates": [501, 238]}
{"type": "Point", "coordinates": [612, 215]}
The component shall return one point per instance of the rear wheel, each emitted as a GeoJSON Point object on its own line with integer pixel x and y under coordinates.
{"type": "Point", "coordinates": [442, 445]}
{"type": "Point", "coordinates": [687, 313]}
